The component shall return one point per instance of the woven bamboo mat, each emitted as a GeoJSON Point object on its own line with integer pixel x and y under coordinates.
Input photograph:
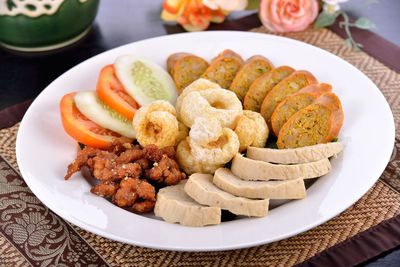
{"type": "Point", "coordinates": [381, 202]}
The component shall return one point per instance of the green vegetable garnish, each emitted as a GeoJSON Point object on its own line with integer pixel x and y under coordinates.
{"type": "Point", "coordinates": [81, 146]}
{"type": "Point", "coordinates": [271, 142]}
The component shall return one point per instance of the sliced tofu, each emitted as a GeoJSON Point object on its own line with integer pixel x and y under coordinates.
{"type": "Point", "coordinates": [201, 188]}
{"type": "Point", "coordinates": [175, 206]}
{"type": "Point", "coordinates": [289, 189]}
{"type": "Point", "coordinates": [250, 169]}
{"type": "Point", "coordinates": [295, 155]}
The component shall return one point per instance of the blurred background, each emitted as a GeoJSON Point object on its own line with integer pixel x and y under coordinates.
{"type": "Point", "coordinates": [124, 21]}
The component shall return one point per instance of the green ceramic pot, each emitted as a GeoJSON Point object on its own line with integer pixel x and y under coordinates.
{"type": "Point", "coordinates": [64, 23]}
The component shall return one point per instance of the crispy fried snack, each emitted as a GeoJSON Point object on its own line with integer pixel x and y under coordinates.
{"type": "Point", "coordinates": [193, 106]}
{"type": "Point", "coordinates": [217, 152]}
{"type": "Point", "coordinates": [160, 128]}
{"type": "Point", "coordinates": [188, 163]}
{"type": "Point", "coordinates": [225, 104]}
{"type": "Point", "coordinates": [153, 153]}
{"type": "Point", "coordinates": [183, 132]}
{"type": "Point", "coordinates": [107, 169]}
{"type": "Point", "coordinates": [135, 193]}
{"type": "Point", "coordinates": [162, 105]}
{"type": "Point", "coordinates": [246, 132]}
{"type": "Point", "coordinates": [261, 128]}
{"type": "Point", "coordinates": [220, 103]}
{"type": "Point", "coordinates": [156, 124]}
{"type": "Point", "coordinates": [105, 189]}
{"type": "Point", "coordinates": [166, 171]}
{"type": "Point", "coordinates": [198, 85]}
{"type": "Point", "coordinates": [106, 165]}
{"type": "Point", "coordinates": [81, 160]}
{"type": "Point", "coordinates": [120, 168]}
{"type": "Point", "coordinates": [205, 130]}
{"type": "Point", "coordinates": [130, 155]}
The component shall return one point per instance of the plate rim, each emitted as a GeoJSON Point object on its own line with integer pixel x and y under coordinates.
{"type": "Point", "coordinates": [173, 247]}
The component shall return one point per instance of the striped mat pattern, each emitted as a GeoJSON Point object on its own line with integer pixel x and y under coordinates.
{"type": "Point", "coordinates": [21, 245]}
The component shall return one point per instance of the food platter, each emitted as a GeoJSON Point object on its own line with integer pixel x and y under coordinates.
{"type": "Point", "coordinates": [44, 150]}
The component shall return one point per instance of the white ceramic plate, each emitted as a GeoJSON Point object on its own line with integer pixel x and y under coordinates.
{"type": "Point", "coordinates": [44, 150]}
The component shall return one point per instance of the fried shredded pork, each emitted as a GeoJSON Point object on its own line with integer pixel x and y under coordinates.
{"type": "Point", "coordinates": [135, 193]}
{"type": "Point", "coordinates": [166, 171]}
{"type": "Point", "coordinates": [126, 171]}
{"type": "Point", "coordinates": [106, 189]}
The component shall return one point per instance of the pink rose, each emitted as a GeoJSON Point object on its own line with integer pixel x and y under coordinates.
{"type": "Point", "coordinates": [288, 15]}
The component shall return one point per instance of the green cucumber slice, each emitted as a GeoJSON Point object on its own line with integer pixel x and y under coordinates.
{"type": "Point", "coordinates": [90, 104]}
{"type": "Point", "coordinates": [145, 80]}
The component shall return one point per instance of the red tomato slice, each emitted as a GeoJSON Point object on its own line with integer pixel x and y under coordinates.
{"type": "Point", "coordinates": [81, 128]}
{"type": "Point", "coordinates": [111, 91]}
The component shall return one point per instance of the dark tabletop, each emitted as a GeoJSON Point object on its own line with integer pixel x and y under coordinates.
{"type": "Point", "coordinates": [24, 76]}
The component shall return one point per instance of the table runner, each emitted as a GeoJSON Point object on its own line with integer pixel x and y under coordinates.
{"type": "Point", "coordinates": [364, 223]}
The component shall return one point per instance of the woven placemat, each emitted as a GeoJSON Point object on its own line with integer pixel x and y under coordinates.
{"type": "Point", "coordinates": [380, 203]}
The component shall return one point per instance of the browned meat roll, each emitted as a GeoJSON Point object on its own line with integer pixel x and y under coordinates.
{"type": "Point", "coordinates": [262, 85]}
{"type": "Point", "coordinates": [185, 68]}
{"type": "Point", "coordinates": [318, 123]}
{"type": "Point", "coordinates": [253, 68]}
{"type": "Point", "coordinates": [295, 102]}
{"type": "Point", "coordinates": [224, 68]}
{"type": "Point", "coordinates": [286, 87]}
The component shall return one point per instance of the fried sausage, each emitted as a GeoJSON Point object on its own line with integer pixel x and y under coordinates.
{"type": "Point", "coordinates": [185, 68]}
{"type": "Point", "coordinates": [223, 68]}
{"type": "Point", "coordinates": [318, 123]}
{"type": "Point", "coordinates": [283, 89]}
{"type": "Point", "coordinates": [252, 68]}
{"type": "Point", "coordinates": [262, 85]}
{"type": "Point", "coordinates": [295, 102]}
